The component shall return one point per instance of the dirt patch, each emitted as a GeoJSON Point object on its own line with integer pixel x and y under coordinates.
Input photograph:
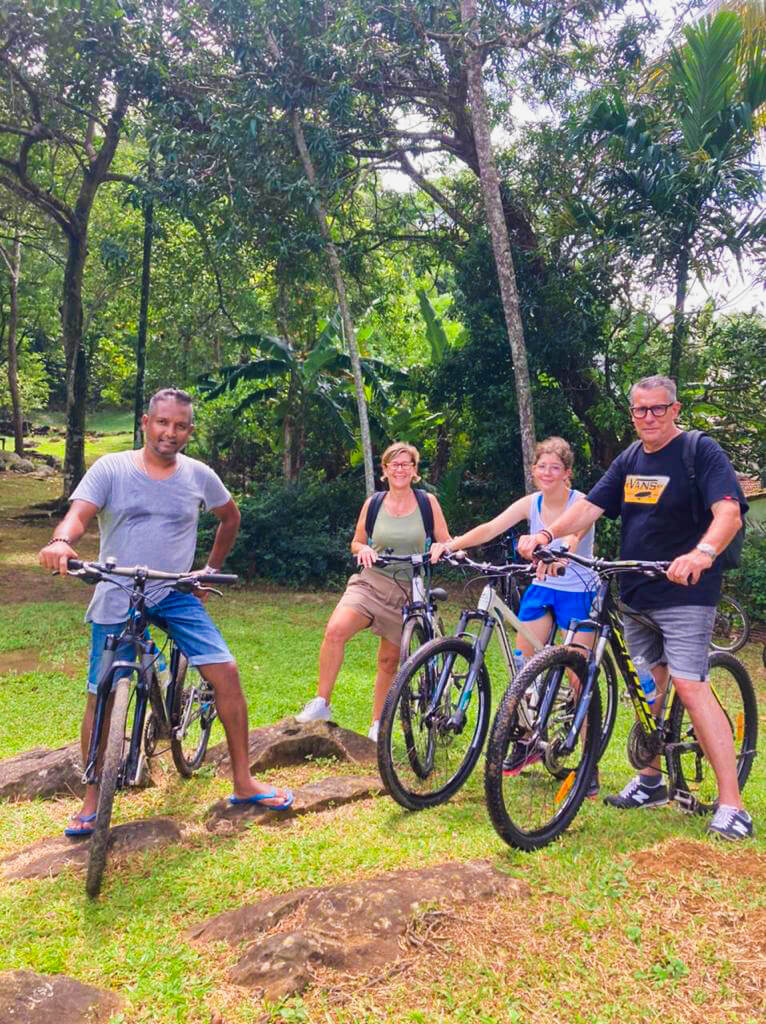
{"type": "Point", "coordinates": [19, 662]}
{"type": "Point", "coordinates": [700, 860]}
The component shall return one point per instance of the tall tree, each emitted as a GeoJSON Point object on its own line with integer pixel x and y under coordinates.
{"type": "Point", "coordinates": [11, 257]}
{"type": "Point", "coordinates": [493, 205]}
{"type": "Point", "coordinates": [64, 98]}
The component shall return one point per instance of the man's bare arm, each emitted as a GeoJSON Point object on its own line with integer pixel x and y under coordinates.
{"type": "Point", "coordinates": [71, 528]}
{"type": "Point", "coordinates": [228, 527]}
{"type": "Point", "coordinates": [578, 518]}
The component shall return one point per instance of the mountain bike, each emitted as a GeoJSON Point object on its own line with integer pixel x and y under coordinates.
{"type": "Point", "coordinates": [543, 709]}
{"type": "Point", "coordinates": [183, 711]}
{"type": "Point", "coordinates": [731, 629]}
{"type": "Point", "coordinates": [420, 619]}
{"type": "Point", "coordinates": [436, 714]}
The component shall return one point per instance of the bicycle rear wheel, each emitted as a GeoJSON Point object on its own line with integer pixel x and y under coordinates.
{"type": "Point", "coordinates": [110, 772]}
{"type": "Point", "coordinates": [533, 805]}
{"type": "Point", "coordinates": [731, 629]}
{"type": "Point", "coordinates": [423, 761]}
{"type": "Point", "coordinates": [191, 719]}
{"type": "Point", "coordinates": [688, 768]}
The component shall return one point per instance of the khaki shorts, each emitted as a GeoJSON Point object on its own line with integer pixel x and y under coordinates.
{"type": "Point", "coordinates": [378, 598]}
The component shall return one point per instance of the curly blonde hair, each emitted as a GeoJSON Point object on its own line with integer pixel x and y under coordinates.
{"type": "Point", "coordinates": [555, 446]}
{"type": "Point", "coordinates": [400, 448]}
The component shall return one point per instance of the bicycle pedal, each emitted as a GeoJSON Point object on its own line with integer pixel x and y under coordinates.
{"type": "Point", "coordinates": [686, 802]}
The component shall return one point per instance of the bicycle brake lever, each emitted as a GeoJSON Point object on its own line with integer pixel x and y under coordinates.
{"type": "Point", "coordinates": [209, 590]}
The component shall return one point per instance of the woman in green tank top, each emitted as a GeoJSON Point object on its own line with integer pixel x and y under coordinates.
{"type": "Point", "coordinates": [372, 598]}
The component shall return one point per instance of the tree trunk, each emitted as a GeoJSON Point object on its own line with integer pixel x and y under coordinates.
{"type": "Point", "coordinates": [345, 313]}
{"type": "Point", "coordinates": [76, 368]}
{"type": "Point", "coordinates": [679, 319]}
{"type": "Point", "coordinates": [493, 206]}
{"type": "Point", "coordinates": [143, 321]}
{"type": "Point", "coordinates": [12, 260]}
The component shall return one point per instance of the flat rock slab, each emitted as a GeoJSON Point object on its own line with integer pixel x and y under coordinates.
{"type": "Point", "coordinates": [42, 773]}
{"type": "Point", "coordinates": [49, 857]}
{"type": "Point", "coordinates": [353, 928]}
{"type": "Point", "coordinates": [316, 796]}
{"type": "Point", "coordinates": [289, 742]}
{"type": "Point", "coordinates": [30, 998]}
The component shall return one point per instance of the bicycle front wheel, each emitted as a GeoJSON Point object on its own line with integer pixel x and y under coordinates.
{"type": "Point", "coordinates": [110, 772]}
{"type": "Point", "coordinates": [425, 754]}
{"type": "Point", "coordinates": [191, 719]}
{"type": "Point", "coordinates": [533, 783]}
{"type": "Point", "coordinates": [731, 629]}
{"type": "Point", "coordinates": [689, 770]}
{"type": "Point", "coordinates": [414, 635]}
{"type": "Point", "coordinates": [609, 694]}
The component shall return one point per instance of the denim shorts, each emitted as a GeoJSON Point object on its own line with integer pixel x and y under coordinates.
{"type": "Point", "coordinates": [683, 643]}
{"type": "Point", "coordinates": [564, 605]}
{"type": "Point", "coordinates": [183, 617]}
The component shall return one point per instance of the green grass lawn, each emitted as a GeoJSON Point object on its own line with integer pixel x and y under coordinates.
{"type": "Point", "coordinates": [116, 426]}
{"type": "Point", "coordinates": [586, 948]}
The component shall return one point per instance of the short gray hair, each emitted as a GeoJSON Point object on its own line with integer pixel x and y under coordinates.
{"type": "Point", "coordinates": [169, 395]}
{"type": "Point", "coordinates": [655, 381]}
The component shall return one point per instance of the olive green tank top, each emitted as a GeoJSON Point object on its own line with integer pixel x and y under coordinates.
{"type": "Point", "coordinates": [404, 535]}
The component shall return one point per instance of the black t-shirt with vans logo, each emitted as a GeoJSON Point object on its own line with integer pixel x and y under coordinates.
{"type": "Point", "coordinates": [652, 493]}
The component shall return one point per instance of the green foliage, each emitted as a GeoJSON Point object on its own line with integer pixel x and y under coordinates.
{"type": "Point", "coordinates": [32, 381]}
{"type": "Point", "coordinates": [295, 534]}
{"type": "Point", "coordinates": [748, 581]}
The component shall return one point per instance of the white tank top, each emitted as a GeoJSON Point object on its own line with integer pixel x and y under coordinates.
{"type": "Point", "coordinates": [577, 577]}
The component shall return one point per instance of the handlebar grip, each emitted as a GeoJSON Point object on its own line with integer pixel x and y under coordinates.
{"type": "Point", "coordinates": [74, 564]}
{"type": "Point", "coordinates": [560, 570]}
{"type": "Point", "coordinates": [218, 577]}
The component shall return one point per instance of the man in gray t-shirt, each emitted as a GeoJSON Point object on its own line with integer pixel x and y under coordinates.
{"type": "Point", "coordinates": [148, 503]}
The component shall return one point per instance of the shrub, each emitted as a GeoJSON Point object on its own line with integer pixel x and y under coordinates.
{"type": "Point", "coordinates": [294, 534]}
{"type": "Point", "coordinates": [748, 582]}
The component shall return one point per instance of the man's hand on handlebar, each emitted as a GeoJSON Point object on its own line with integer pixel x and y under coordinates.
{"type": "Point", "coordinates": [366, 555]}
{"type": "Point", "coordinates": [688, 568]}
{"type": "Point", "coordinates": [54, 556]}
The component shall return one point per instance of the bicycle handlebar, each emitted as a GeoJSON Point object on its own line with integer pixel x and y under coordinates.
{"type": "Point", "coordinates": [94, 572]}
{"type": "Point", "coordinates": [487, 569]}
{"type": "Point", "coordinates": [602, 565]}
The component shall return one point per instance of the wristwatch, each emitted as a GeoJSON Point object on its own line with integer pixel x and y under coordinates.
{"type": "Point", "coordinates": [707, 549]}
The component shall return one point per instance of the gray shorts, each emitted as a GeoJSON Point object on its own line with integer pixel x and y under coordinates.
{"type": "Point", "coordinates": [683, 643]}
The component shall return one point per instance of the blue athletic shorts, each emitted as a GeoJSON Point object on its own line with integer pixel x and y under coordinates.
{"type": "Point", "coordinates": [183, 617]}
{"type": "Point", "coordinates": [564, 605]}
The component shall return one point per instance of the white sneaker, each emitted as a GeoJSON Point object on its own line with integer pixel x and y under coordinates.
{"type": "Point", "coordinates": [317, 710]}
{"type": "Point", "coordinates": [373, 731]}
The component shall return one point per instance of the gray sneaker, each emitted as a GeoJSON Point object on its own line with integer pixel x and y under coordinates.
{"type": "Point", "coordinates": [731, 823]}
{"type": "Point", "coordinates": [636, 794]}
{"type": "Point", "coordinates": [317, 710]}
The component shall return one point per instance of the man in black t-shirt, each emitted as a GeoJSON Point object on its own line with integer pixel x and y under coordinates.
{"type": "Point", "coordinates": [650, 489]}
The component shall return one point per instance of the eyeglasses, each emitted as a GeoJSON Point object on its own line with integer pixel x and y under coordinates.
{"type": "Point", "coordinates": [639, 412]}
{"type": "Point", "coordinates": [400, 465]}
{"type": "Point", "coordinates": [549, 467]}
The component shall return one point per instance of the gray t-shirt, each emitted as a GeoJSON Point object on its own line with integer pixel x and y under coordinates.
{"type": "Point", "coordinates": [145, 522]}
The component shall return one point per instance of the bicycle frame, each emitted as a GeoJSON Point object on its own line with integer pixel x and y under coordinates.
{"type": "Point", "coordinates": [135, 632]}
{"type": "Point", "coordinates": [493, 613]}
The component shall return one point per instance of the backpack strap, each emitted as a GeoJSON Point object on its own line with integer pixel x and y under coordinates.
{"type": "Point", "coordinates": [424, 504]}
{"type": "Point", "coordinates": [372, 513]}
{"type": "Point", "coordinates": [426, 513]}
{"type": "Point", "coordinates": [689, 456]}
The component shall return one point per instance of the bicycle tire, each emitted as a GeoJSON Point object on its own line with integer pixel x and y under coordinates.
{"type": "Point", "coordinates": [110, 770]}
{"type": "Point", "coordinates": [423, 764]}
{"type": "Point", "coordinates": [534, 806]}
{"type": "Point", "coordinates": [688, 769]}
{"type": "Point", "coordinates": [414, 635]}
{"type": "Point", "coordinates": [189, 748]}
{"type": "Point", "coordinates": [609, 696]}
{"type": "Point", "coordinates": [731, 629]}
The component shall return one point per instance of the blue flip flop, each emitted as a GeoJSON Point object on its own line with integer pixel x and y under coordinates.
{"type": "Point", "coordinates": [75, 833]}
{"type": "Point", "coordinates": [258, 798]}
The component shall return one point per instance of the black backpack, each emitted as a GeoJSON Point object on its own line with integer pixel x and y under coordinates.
{"type": "Point", "coordinates": [731, 556]}
{"type": "Point", "coordinates": [424, 504]}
